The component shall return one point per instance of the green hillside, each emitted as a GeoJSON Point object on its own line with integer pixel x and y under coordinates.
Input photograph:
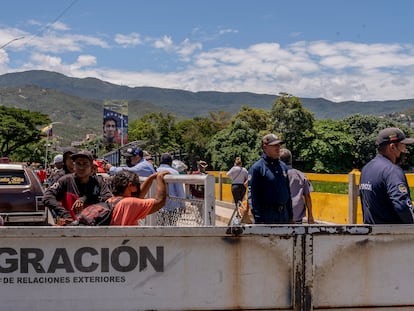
{"type": "Point", "coordinates": [78, 103]}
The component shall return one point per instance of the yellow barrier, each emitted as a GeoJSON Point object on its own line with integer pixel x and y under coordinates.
{"type": "Point", "coordinates": [328, 207]}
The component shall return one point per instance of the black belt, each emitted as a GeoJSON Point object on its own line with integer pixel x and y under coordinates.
{"type": "Point", "coordinates": [278, 207]}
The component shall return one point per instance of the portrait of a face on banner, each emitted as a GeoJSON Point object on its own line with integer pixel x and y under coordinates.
{"type": "Point", "coordinates": [115, 125]}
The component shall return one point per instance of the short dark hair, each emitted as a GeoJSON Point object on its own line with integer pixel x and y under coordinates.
{"type": "Point", "coordinates": [106, 119]}
{"type": "Point", "coordinates": [166, 158]}
{"type": "Point", "coordinates": [286, 156]}
{"type": "Point", "coordinates": [121, 180]}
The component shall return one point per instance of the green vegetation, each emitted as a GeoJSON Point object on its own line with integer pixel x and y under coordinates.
{"type": "Point", "coordinates": [319, 145]}
{"type": "Point", "coordinates": [19, 131]}
{"type": "Point", "coordinates": [330, 187]}
{"type": "Point", "coordinates": [337, 188]}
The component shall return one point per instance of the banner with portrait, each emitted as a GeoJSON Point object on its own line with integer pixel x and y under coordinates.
{"type": "Point", "coordinates": [115, 122]}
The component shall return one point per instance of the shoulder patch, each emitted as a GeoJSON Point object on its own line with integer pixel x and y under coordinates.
{"type": "Point", "coordinates": [402, 188]}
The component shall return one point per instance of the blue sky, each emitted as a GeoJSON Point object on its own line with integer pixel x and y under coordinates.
{"type": "Point", "coordinates": [339, 50]}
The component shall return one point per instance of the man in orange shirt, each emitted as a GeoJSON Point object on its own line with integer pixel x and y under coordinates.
{"type": "Point", "coordinates": [133, 206]}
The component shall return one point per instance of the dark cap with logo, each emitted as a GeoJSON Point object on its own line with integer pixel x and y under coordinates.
{"type": "Point", "coordinates": [132, 152]}
{"type": "Point", "coordinates": [271, 139]}
{"type": "Point", "coordinates": [392, 135]}
{"type": "Point", "coordinates": [83, 154]}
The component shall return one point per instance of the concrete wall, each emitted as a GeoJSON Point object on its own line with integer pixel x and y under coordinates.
{"type": "Point", "coordinates": [207, 268]}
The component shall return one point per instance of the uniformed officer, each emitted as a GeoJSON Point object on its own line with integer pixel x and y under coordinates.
{"type": "Point", "coordinates": [269, 193]}
{"type": "Point", "coordinates": [383, 187]}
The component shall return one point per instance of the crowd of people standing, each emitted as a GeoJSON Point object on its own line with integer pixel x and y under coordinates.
{"type": "Point", "coordinates": [276, 192]}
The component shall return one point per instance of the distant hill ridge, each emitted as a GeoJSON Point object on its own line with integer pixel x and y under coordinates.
{"type": "Point", "coordinates": [190, 104]}
{"type": "Point", "coordinates": [78, 102]}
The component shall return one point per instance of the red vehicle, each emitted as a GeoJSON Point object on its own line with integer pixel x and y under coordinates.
{"type": "Point", "coordinates": [21, 196]}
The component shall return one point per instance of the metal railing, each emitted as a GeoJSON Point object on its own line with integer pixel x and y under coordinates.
{"type": "Point", "coordinates": [194, 209]}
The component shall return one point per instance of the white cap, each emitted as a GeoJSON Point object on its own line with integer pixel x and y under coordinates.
{"type": "Point", "coordinates": [57, 159]}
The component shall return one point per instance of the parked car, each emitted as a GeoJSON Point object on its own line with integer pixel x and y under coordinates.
{"type": "Point", "coordinates": [21, 196]}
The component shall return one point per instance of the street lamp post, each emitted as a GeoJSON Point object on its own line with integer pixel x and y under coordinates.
{"type": "Point", "coordinates": [122, 129]}
{"type": "Point", "coordinates": [47, 142]}
{"type": "Point", "coordinates": [47, 147]}
{"type": "Point", "coordinates": [12, 40]}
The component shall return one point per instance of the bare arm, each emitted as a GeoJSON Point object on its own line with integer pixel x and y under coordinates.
{"type": "Point", "coordinates": [146, 185]}
{"type": "Point", "coordinates": [160, 192]}
{"type": "Point", "coordinates": [308, 203]}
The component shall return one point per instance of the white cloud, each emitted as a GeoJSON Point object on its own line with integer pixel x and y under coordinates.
{"type": "Point", "coordinates": [46, 60]}
{"type": "Point", "coordinates": [84, 61]}
{"type": "Point", "coordinates": [58, 26]}
{"type": "Point", "coordinates": [130, 40]}
{"type": "Point", "coordinates": [333, 70]}
{"type": "Point", "coordinates": [165, 43]}
{"type": "Point", "coordinates": [187, 48]}
{"type": "Point", "coordinates": [227, 30]}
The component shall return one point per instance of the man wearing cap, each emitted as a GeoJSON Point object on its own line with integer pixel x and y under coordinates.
{"type": "Point", "coordinates": [57, 169]}
{"type": "Point", "coordinates": [135, 162]}
{"type": "Point", "coordinates": [67, 165]}
{"type": "Point", "coordinates": [58, 161]}
{"type": "Point", "coordinates": [268, 191]}
{"type": "Point", "coordinates": [174, 207]}
{"type": "Point", "coordinates": [383, 187]}
{"type": "Point", "coordinates": [72, 192]}
{"type": "Point", "coordinates": [197, 191]}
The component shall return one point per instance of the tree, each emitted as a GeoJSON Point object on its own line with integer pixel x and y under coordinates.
{"type": "Point", "coordinates": [157, 130]}
{"type": "Point", "coordinates": [293, 122]}
{"type": "Point", "coordinates": [331, 149]}
{"type": "Point", "coordinates": [220, 118]}
{"type": "Point", "coordinates": [257, 119]}
{"type": "Point", "coordinates": [365, 129]}
{"type": "Point", "coordinates": [237, 140]}
{"type": "Point", "coordinates": [18, 129]}
{"type": "Point", "coordinates": [194, 136]}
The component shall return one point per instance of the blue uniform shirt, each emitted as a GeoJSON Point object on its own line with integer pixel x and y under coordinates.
{"type": "Point", "coordinates": [143, 168]}
{"type": "Point", "coordinates": [384, 193]}
{"type": "Point", "coordinates": [269, 191]}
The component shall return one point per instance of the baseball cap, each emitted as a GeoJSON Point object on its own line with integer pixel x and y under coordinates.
{"type": "Point", "coordinates": [58, 159]}
{"type": "Point", "coordinates": [202, 163]}
{"type": "Point", "coordinates": [179, 165]}
{"type": "Point", "coordinates": [83, 154]}
{"type": "Point", "coordinates": [147, 155]}
{"type": "Point", "coordinates": [133, 151]}
{"type": "Point", "coordinates": [69, 151]}
{"type": "Point", "coordinates": [392, 135]}
{"type": "Point", "coordinates": [271, 139]}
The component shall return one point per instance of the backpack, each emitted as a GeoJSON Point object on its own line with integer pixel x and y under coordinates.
{"type": "Point", "coordinates": [99, 214]}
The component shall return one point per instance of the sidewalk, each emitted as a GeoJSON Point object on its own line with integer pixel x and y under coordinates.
{"type": "Point", "coordinates": [224, 210]}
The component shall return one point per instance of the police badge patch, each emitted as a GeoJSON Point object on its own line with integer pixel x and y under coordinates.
{"type": "Point", "coordinates": [402, 188]}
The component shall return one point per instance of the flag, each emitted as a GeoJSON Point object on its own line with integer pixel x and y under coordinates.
{"type": "Point", "coordinates": [48, 130]}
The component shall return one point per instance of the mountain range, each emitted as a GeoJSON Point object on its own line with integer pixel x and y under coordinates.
{"type": "Point", "coordinates": [78, 102]}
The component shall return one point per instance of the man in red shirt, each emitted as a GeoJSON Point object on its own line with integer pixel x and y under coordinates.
{"type": "Point", "coordinates": [41, 173]}
{"type": "Point", "coordinates": [72, 192]}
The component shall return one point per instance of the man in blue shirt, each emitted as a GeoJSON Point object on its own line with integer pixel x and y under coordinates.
{"type": "Point", "coordinates": [383, 187]}
{"type": "Point", "coordinates": [269, 193]}
{"type": "Point", "coordinates": [174, 207]}
{"type": "Point", "coordinates": [135, 163]}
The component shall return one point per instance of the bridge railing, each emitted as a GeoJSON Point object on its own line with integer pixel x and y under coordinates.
{"type": "Point", "coordinates": [328, 207]}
